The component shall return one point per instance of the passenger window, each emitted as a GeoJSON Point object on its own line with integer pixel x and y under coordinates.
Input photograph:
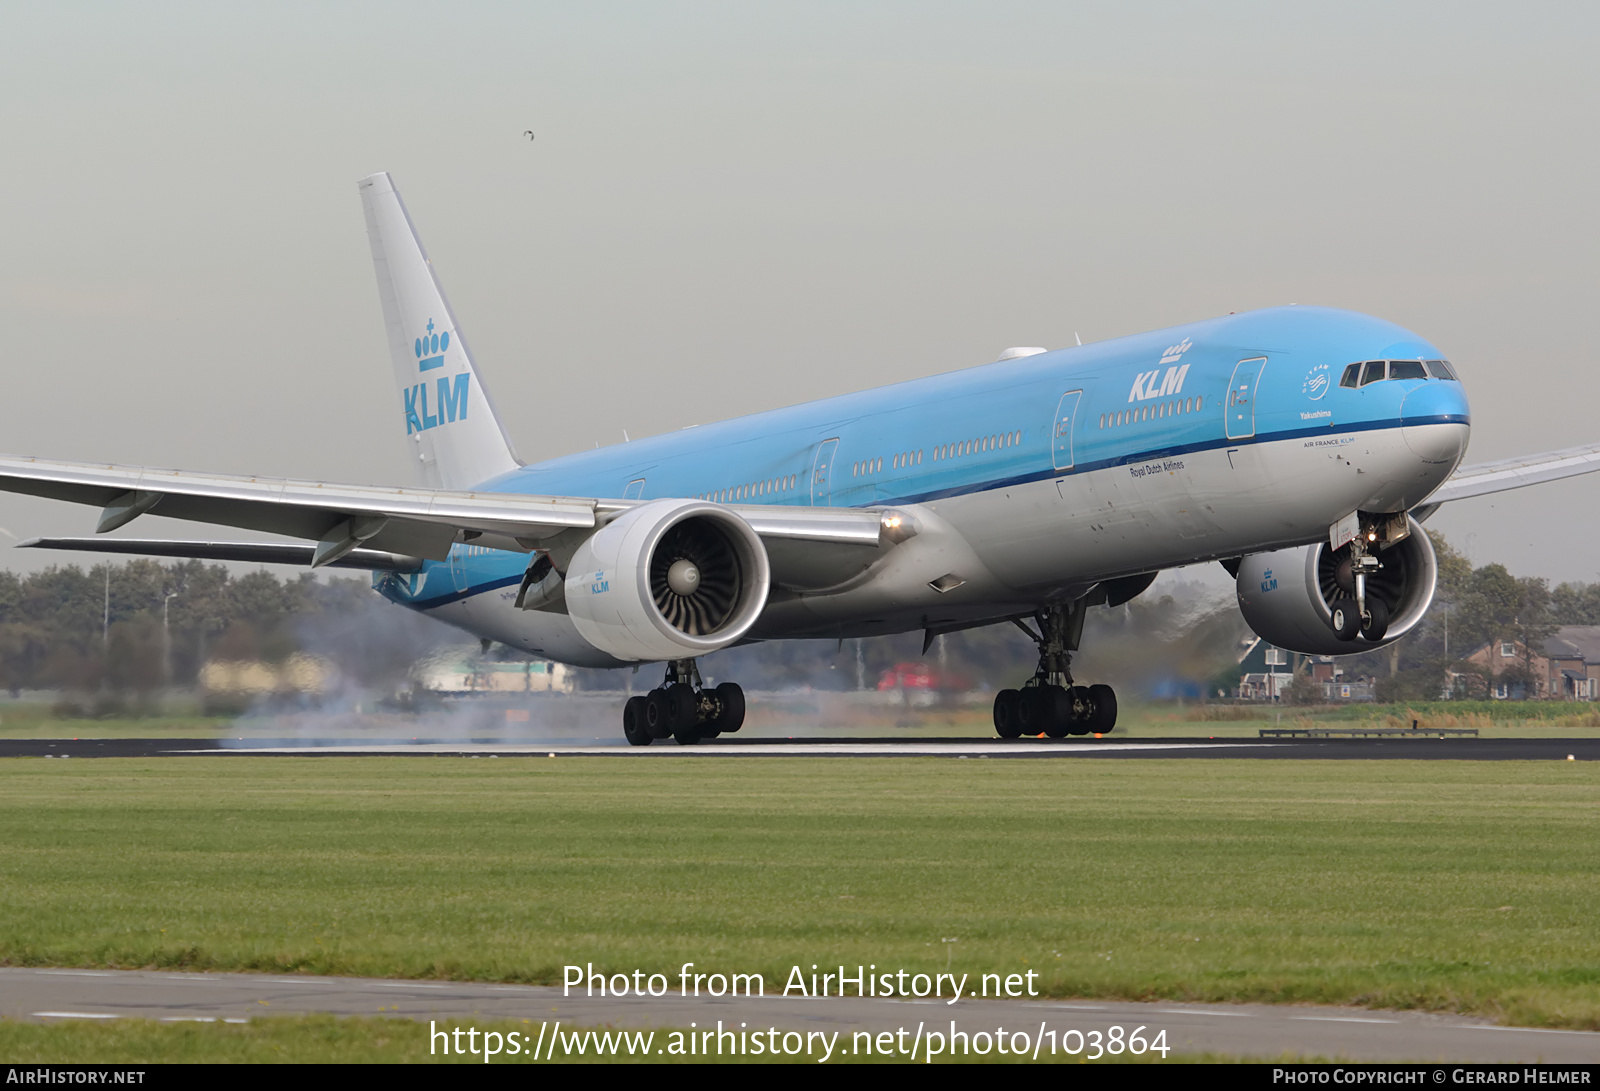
{"type": "Point", "coordinates": [1406, 369]}
{"type": "Point", "coordinates": [1351, 376]}
{"type": "Point", "coordinates": [1441, 370]}
{"type": "Point", "coordinates": [1372, 371]}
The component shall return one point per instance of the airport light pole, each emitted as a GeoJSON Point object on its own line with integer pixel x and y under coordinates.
{"type": "Point", "coordinates": [166, 639]}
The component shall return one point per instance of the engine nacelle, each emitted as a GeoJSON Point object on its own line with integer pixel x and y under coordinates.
{"type": "Point", "coordinates": [1286, 595]}
{"type": "Point", "coordinates": [669, 579]}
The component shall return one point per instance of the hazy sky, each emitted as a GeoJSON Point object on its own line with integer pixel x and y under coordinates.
{"type": "Point", "coordinates": [730, 207]}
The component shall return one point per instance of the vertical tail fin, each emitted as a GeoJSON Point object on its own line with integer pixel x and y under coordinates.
{"type": "Point", "coordinates": [451, 427]}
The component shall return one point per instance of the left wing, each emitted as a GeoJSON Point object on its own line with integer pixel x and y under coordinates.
{"type": "Point", "coordinates": [405, 524]}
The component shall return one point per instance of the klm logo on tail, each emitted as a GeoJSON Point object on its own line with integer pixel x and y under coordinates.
{"type": "Point", "coordinates": [451, 402]}
{"type": "Point", "coordinates": [431, 348]}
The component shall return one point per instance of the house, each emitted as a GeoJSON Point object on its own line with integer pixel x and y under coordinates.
{"type": "Point", "coordinates": [1265, 671]}
{"type": "Point", "coordinates": [1573, 654]}
{"type": "Point", "coordinates": [1566, 667]}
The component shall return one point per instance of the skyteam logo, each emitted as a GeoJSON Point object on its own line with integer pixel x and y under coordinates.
{"type": "Point", "coordinates": [450, 403]}
{"type": "Point", "coordinates": [1318, 380]}
{"type": "Point", "coordinates": [1152, 384]}
{"type": "Point", "coordinates": [431, 348]}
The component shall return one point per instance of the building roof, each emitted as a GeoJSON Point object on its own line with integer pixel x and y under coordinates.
{"type": "Point", "coordinates": [1574, 642]}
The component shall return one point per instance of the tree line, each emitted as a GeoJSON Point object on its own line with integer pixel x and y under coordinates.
{"type": "Point", "coordinates": [140, 626]}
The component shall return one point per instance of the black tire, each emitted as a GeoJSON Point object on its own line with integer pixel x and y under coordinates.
{"type": "Point", "coordinates": [683, 707]}
{"type": "Point", "coordinates": [688, 736]}
{"type": "Point", "coordinates": [1006, 724]}
{"type": "Point", "coordinates": [1032, 710]}
{"type": "Point", "coordinates": [1055, 705]}
{"type": "Point", "coordinates": [1104, 699]}
{"type": "Point", "coordinates": [633, 722]}
{"type": "Point", "coordinates": [1346, 619]}
{"type": "Point", "coordinates": [1376, 623]}
{"type": "Point", "coordinates": [656, 720]}
{"type": "Point", "coordinates": [731, 719]}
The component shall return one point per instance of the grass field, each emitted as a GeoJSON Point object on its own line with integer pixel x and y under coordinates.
{"type": "Point", "coordinates": [1440, 885]}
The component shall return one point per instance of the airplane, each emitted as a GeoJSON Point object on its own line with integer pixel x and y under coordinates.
{"type": "Point", "coordinates": [1299, 446]}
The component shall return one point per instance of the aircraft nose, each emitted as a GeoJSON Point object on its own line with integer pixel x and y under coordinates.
{"type": "Point", "coordinates": [1435, 420]}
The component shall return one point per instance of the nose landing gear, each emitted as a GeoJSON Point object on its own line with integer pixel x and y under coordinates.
{"type": "Point", "coordinates": [683, 709]}
{"type": "Point", "coordinates": [1358, 611]}
{"type": "Point", "coordinates": [1049, 703]}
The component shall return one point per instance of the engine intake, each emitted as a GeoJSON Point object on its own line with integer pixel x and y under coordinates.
{"type": "Point", "coordinates": [1286, 596]}
{"type": "Point", "coordinates": [669, 579]}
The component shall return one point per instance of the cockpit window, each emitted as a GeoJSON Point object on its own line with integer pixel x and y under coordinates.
{"type": "Point", "coordinates": [1376, 371]}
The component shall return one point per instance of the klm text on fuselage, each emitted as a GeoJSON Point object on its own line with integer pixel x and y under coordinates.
{"type": "Point", "coordinates": [451, 403]}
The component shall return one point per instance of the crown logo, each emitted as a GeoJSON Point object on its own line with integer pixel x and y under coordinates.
{"type": "Point", "coordinates": [431, 347]}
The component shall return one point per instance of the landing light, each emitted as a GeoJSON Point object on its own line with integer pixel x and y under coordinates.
{"type": "Point", "coordinates": [897, 526]}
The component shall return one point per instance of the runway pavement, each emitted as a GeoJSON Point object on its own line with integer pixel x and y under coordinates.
{"type": "Point", "coordinates": [1247, 1030]}
{"type": "Point", "coordinates": [1423, 747]}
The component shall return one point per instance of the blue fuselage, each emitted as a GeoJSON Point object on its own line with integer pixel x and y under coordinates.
{"type": "Point", "coordinates": [1267, 380]}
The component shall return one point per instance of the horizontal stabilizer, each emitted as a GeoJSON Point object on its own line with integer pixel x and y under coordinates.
{"type": "Point", "coordinates": [368, 560]}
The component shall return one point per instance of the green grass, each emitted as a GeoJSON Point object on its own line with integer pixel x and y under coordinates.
{"type": "Point", "coordinates": [1446, 886]}
{"type": "Point", "coordinates": [28, 720]}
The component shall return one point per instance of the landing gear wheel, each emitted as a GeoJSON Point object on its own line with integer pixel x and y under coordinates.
{"type": "Point", "coordinates": [1346, 619]}
{"type": "Point", "coordinates": [1376, 623]}
{"type": "Point", "coordinates": [688, 736]}
{"type": "Point", "coordinates": [1033, 710]}
{"type": "Point", "coordinates": [1006, 723]}
{"type": "Point", "coordinates": [633, 722]}
{"type": "Point", "coordinates": [683, 707]}
{"type": "Point", "coordinates": [1104, 717]}
{"type": "Point", "coordinates": [731, 718]}
{"type": "Point", "coordinates": [1079, 710]}
{"type": "Point", "coordinates": [1056, 702]}
{"type": "Point", "coordinates": [656, 720]}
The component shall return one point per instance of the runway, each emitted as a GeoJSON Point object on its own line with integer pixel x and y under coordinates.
{"type": "Point", "coordinates": [1245, 1030]}
{"type": "Point", "coordinates": [1424, 747]}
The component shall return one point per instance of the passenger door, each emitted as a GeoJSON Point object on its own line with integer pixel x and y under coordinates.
{"type": "Point", "coordinates": [1061, 433]}
{"type": "Point", "coordinates": [822, 473]}
{"type": "Point", "coordinates": [1241, 400]}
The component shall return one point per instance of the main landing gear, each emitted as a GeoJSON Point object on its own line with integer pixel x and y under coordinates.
{"type": "Point", "coordinates": [1049, 703]}
{"type": "Point", "coordinates": [683, 708]}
